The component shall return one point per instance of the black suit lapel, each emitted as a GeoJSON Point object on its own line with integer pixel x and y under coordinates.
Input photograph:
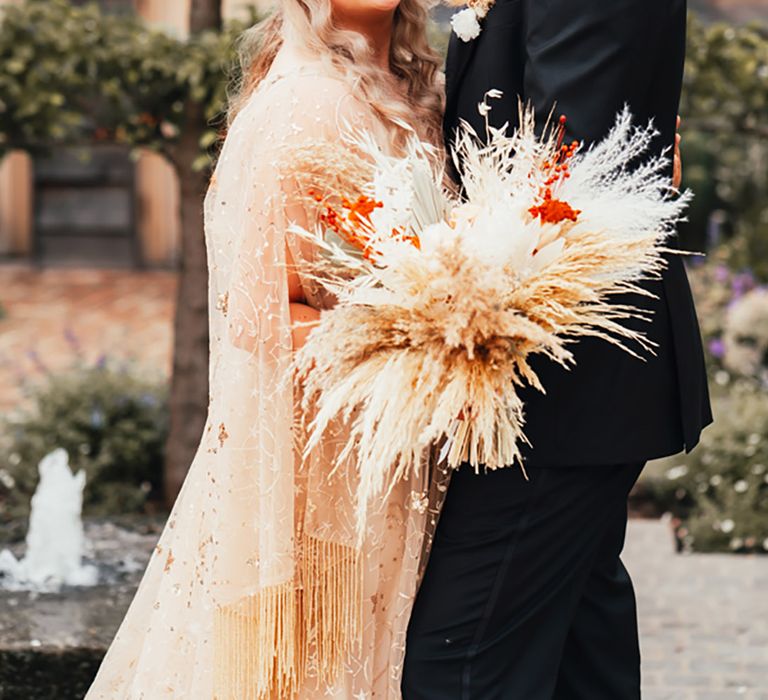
{"type": "Point", "coordinates": [459, 55]}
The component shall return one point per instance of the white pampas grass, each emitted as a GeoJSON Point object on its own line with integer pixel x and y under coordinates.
{"type": "Point", "coordinates": [434, 327]}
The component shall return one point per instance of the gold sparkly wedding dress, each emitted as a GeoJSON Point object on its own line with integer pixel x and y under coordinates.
{"type": "Point", "coordinates": [256, 589]}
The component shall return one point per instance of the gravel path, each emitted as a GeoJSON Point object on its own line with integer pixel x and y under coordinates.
{"type": "Point", "coordinates": [703, 619]}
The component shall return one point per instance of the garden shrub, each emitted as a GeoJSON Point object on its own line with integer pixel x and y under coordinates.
{"type": "Point", "coordinates": [719, 493]}
{"type": "Point", "coordinates": [113, 422]}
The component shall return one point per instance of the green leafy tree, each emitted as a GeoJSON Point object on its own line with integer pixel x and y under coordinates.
{"type": "Point", "coordinates": [725, 146]}
{"type": "Point", "coordinates": [73, 75]}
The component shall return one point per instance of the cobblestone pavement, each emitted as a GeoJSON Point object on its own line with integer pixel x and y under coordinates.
{"type": "Point", "coordinates": [703, 619]}
{"type": "Point", "coordinates": [51, 316]}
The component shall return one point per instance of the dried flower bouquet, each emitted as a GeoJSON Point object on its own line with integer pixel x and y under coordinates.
{"type": "Point", "coordinates": [443, 299]}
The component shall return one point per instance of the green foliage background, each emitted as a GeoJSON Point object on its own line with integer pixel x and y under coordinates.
{"type": "Point", "coordinates": [74, 75]}
{"type": "Point", "coordinates": [725, 139]}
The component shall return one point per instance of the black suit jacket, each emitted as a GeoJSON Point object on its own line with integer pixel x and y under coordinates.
{"type": "Point", "coordinates": [590, 58]}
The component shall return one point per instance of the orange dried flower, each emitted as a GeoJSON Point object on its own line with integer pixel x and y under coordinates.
{"type": "Point", "coordinates": [354, 226]}
{"type": "Point", "coordinates": [552, 210]}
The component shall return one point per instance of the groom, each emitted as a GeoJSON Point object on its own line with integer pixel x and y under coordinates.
{"type": "Point", "coordinates": [525, 596]}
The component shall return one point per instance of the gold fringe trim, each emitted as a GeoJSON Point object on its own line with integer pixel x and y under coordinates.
{"type": "Point", "coordinates": [256, 646]}
{"type": "Point", "coordinates": [262, 642]}
{"type": "Point", "coordinates": [333, 583]}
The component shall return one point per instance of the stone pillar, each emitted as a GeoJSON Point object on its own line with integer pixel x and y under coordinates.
{"type": "Point", "coordinates": [157, 187]}
{"type": "Point", "coordinates": [157, 215]}
{"type": "Point", "coordinates": [238, 8]}
{"type": "Point", "coordinates": [172, 17]}
{"type": "Point", "coordinates": [15, 199]}
{"type": "Point", "coordinates": [16, 192]}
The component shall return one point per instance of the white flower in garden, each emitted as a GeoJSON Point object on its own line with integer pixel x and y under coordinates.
{"type": "Point", "coordinates": [466, 24]}
{"type": "Point", "coordinates": [716, 480]}
{"type": "Point", "coordinates": [722, 378]}
{"type": "Point", "coordinates": [169, 130]}
{"type": "Point", "coordinates": [6, 479]}
{"type": "Point", "coordinates": [737, 543]}
{"type": "Point", "coordinates": [14, 458]}
{"type": "Point", "coordinates": [741, 486]}
{"type": "Point", "coordinates": [677, 472]}
{"type": "Point", "coordinates": [746, 335]}
{"type": "Point", "coordinates": [758, 469]}
{"type": "Point", "coordinates": [727, 526]}
{"type": "Point", "coordinates": [754, 439]}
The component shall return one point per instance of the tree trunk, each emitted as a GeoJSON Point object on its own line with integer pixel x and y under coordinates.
{"type": "Point", "coordinates": [204, 14]}
{"type": "Point", "coordinates": [189, 387]}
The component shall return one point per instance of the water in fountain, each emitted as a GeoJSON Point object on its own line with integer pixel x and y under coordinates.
{"type": "Point", "coordinates": [55, 540]}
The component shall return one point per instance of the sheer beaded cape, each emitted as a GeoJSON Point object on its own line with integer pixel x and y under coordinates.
{"type": "Point", "coordinates": [256, 589]}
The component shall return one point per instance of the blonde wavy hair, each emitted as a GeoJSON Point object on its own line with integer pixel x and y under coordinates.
{"type": "Point", "coordinates": [410, 93]}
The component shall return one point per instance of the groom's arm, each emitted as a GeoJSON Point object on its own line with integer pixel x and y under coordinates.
{"type": "Point", "coordinates": [591, 57]}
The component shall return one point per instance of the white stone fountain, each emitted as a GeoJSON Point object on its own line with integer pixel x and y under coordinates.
{"type": "Point", "coordinates": [55, 540]}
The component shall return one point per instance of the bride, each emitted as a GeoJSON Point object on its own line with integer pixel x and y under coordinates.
{"type": "Point", "coordinates": [257, 589]}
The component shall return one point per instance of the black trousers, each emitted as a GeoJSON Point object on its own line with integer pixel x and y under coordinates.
{"type": "Point", "coordinates": [525, 596]}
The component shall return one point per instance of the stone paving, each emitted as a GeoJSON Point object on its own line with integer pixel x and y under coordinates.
{"type": "Point", "coordinates": [703, 619]}
{"type": "Point", "coordinates": [51, 316]}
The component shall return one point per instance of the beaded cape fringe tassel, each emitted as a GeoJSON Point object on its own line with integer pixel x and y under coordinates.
{"type": "Point", "coordinates": [262, 643]}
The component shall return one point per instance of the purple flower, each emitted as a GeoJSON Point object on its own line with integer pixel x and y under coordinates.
{"type": "Point", "coordinates": [148, 400]}
{"type": "Point", "coordinates": [717, 348]}
{"type": "Point", "coordinates": [37, 362]}
{"type": "Point", "coordinates": [722, 274]}
{"type": "Point", "coordinates": [72, 340]}
{"type": "Point", "coordinates": [742, 283]}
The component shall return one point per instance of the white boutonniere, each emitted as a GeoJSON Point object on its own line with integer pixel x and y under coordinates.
{"type": "Point", "coordinates": [466, 23]}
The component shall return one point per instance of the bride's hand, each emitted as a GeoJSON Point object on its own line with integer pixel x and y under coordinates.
{"type": "Point", "coordinates": [303, 318]}
{"type": "Point", "coordinates": [677, 178]}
